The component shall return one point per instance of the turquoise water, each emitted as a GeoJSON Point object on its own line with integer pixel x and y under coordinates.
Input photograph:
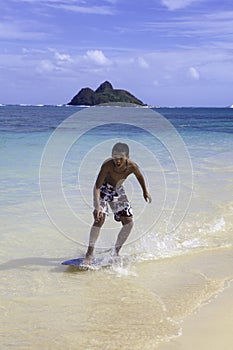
{"type": "Point", "coordinates": [205, 137]}
{"type": "Point", "coordinates": [50, 157]}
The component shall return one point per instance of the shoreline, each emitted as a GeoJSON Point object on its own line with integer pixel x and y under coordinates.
{"type": "Point", "coordinates": [209, 327]}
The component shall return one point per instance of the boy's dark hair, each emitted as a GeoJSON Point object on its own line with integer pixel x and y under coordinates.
{"type": "Point", "coordinates": [121, 147]}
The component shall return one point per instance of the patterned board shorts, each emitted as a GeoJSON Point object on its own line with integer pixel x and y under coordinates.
{"type": "Point", "coordinates": [117, 200]}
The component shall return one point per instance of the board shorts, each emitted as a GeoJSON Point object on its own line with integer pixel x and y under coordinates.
{"type": "Point", "coordinates": [116, 199]}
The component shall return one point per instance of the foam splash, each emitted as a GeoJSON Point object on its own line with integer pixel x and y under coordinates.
{"type": "Point", "coordinates": [198, 234]}
{"type": "Point", "coordinates": [121, 265]}
{"type": "Point", "coordinates": [218, 225]}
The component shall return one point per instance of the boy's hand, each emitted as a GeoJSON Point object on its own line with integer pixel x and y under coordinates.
{"type": "Point", "coordinates": [147, 197]}
{"type": "Point", "coordinates": [97, 215]}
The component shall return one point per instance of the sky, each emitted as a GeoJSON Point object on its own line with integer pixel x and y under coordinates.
{"type": "Point", "coordinates": [165, 52]}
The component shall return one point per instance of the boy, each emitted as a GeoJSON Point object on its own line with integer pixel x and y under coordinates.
{"type": "Point", "coordinates": [108, 190]}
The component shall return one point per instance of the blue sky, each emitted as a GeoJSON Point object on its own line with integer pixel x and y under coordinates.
{"type": "Point", "coordinates": [165, 52]}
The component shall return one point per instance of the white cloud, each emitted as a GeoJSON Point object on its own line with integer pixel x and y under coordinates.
{"type": "Point", "coordinates": [168, 72]}
{"type": "Point", "coordinates": [97, 57]}
{"type": "Point", "coordinates": [213, 28]}
{"type": "Point", "coordinates": [45, 66]}
{"type": "Point", "coordinates": [193, 73]}
{"type": "Point", "coordinates": [142, 62]}
{"type": "Point", "coordinates": [61, 57]}
{"type": "Point", "coordinates": [222, 15]}
{"type": "Point", "coordinates": [177, 4]}
{"type": "Point", "coordinates": [74, 6]}
{"type": "Point", "coordinates": [97, 10]}
{"type": "Point", "coordinates": [14, 31]}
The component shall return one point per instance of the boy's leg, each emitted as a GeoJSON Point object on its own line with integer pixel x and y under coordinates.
{"type": "Point", "coordinates": [127, 223]}
{"type": "Point", "coordinates": [94, 234]}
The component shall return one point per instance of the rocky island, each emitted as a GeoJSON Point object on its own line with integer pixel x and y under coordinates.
{"type": "Point", "coordinates": [104, 95]}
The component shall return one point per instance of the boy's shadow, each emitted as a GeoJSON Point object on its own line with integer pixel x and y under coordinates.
{"type": "Point", "coordinates": [31, 263]}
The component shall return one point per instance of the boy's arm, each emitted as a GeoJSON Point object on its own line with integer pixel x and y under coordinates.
{"type": "Point", "coordinates": [96, 192]}
{"type": "Point", "coordinates": [142, 183]}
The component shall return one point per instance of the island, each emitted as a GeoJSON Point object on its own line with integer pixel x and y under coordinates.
{"type": "Point", "coordinates": [105, 94]}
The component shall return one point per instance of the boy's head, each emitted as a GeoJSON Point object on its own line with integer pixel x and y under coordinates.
{"type": "Point", "coordinates": [120, 148]}
{"type": "Point", "coordinates": [120, 154]}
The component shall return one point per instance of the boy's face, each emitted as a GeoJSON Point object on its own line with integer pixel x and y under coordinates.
{"type": "Point", "coordinates": [119, 159]}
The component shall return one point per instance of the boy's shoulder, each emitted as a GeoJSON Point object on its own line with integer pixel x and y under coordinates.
{"type": "Point", "coordinates": [132, 164]}
{"type": "Point", "coordinates": [107, 163]}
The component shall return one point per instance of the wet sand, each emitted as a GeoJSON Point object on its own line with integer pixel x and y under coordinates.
{"type": "Point", "coordinates": [210, 328]}
{"type": "Point", "coordinates": [141, 306]}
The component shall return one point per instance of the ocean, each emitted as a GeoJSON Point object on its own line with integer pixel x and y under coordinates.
{"type": "Point", "coordinates": [177, 258]}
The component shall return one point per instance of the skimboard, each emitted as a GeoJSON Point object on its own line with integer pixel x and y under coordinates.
{"type": "Point", "coordinates": [96, 263]}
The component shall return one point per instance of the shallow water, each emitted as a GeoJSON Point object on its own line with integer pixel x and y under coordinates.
{"type": "Point", "coordinates": [136, 306]}
{"type": "Point", "coordinates": [166, 273]}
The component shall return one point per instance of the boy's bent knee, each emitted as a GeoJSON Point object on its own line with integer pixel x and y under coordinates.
{"type": "Point", "coordinates": [127, 221]}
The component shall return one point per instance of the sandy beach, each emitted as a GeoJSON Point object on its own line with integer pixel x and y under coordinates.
{"type": "Point", "coordinates": [209, 328]}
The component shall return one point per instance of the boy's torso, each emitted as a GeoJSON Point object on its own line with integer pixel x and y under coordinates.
{"type": "Point", "coordinates": [114, 176]}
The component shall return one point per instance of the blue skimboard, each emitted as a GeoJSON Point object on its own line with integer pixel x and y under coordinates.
{"type": "Point", "coordinates": [96, 263]}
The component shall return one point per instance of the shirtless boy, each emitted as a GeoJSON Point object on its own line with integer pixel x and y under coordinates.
{"type": "Point", "coordinates": [108, 190]}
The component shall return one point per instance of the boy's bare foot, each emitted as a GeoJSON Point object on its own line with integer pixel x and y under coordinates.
{"type": "Point", "coordinates": [87, 260]}
{"type": "Point", "coordinates": [115, 252]}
